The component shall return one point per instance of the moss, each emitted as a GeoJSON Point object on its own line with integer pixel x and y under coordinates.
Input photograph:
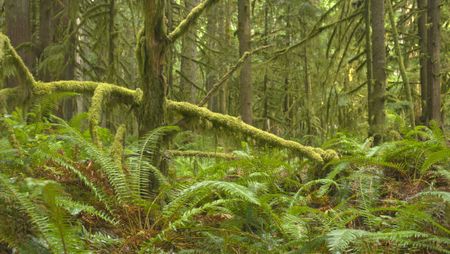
{"type": "Point", "coordinates": [96, 109]}
{"type": "Point", "coordinates": [235, 124]}
{"type": "Point", "coordinates": [189, 20]}
{"type": "Point", "coordinates": [22, 70]}
{"type": "Point", "coordinates": [201, 154]}
{"type": "Point", "coordinates": [117, 146]}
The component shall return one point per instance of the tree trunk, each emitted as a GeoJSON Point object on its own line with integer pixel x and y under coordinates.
{"type": "Point", "coordinates": [308, 92]}
{"type": "Point", "coordinates": [111, 43]}
{"type": "Point", "coordinates": [266, 124]}
{"type": "Point", "coordinates": [245, 79]}
{"type": "Point", "coordinates": [401, 63]}
{"type": "Point", "coordinates": [225, 24]}
{"type": "Point", "coordinates": [377, 96]}
{"type": "Point", "coordinates": [423, 41]}
{"type": "Point", "coordinates": [434, 82]}
{"type": "Point", "coordinates": [188, 54]}
{"type": "Point", "coordinates": [211, 57]}
{"type": "Point", "coordinates": [153, 45]}
{"type": "Point", "coordinates": [19, 28]}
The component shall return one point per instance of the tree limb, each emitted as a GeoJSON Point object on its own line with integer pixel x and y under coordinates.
{"type": "Point", "coordinates": [235, 124]}
{"type": "Point", "coordinates": [227, 75]}
{"type": "Point", "coordinates": [189, 20]}
{"type": "Point", "coordinates": [201, 154]}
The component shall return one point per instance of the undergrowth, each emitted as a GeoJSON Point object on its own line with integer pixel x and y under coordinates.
{"type": "Point", "coordinates": [60, 193]}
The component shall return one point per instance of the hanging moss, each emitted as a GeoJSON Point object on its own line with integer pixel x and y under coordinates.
{"type": "Point", "coordinates": [95, 111]}
{"type": "Point", "coordinates": [235, 124]}
{"type": "Point", "coordinates": [127, 96]}
{"type": "Point", "coordinates": [117, 146]}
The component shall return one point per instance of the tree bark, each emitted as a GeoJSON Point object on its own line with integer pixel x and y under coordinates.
{"type": "Point", "coordinates": [434, 69]}
{"type": "Point", "coordinates": [401, 64]}
{"type": "Point", "coordinates": [245, 79]}
{"type": "Point", "coordinates": [211, 58]}
{"type": "Point", "coordinates": [377, 116]}
{"type": "Point", "coordinates": [423, 43]}
{"type": "Point", "coordinates": [19, 28]}
{"type": "Point", "coordinates": [153, 45]}
{"type": "Point", "coordinates": [188, 54]}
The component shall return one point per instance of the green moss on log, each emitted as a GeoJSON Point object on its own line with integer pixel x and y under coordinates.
{"type": "Point", "coordinates": [235, 124]}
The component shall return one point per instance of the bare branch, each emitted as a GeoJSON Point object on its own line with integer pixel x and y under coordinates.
{"type": "Point", "coordinates": [227, 75]}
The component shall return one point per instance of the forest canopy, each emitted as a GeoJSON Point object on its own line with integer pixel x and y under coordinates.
{"type": "Point", "coordinates": [224, 126]}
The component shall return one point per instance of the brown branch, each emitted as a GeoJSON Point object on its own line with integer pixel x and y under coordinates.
{"type": "Point", "coordinates": [227, 75]}
{"type": "Point", "coordinates": [312, 34]}
{"type": "Point", "coordinates": [190, 81]}
{"type": "Point", "coordinates": [189, 20]}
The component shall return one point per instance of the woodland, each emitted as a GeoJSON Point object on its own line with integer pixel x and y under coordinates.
{"type": "Point", "coordinates": [224, 126]}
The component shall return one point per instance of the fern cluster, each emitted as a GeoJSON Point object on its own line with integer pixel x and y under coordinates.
{"type": "Point", "coordinates": [64, 194]}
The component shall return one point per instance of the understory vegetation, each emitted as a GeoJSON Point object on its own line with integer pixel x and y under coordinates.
{"type": "Point", "coordinates": [60, 193]}
{"type": "Point", "coordinates": [224, 126]}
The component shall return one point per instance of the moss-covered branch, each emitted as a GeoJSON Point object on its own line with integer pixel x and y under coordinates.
{"type": "Point", "coordinates": [201, 154]}
{"type": "Point", "coordinates": [125, 95]}
{"type": "Point", "coordinates": [235, 124]}
{"type": "Point", "coordinates": [189, 20]}
{"type": "Point", "coordinates": [103, 91]}
{"type": "Point", "coordinates": [9, 55]}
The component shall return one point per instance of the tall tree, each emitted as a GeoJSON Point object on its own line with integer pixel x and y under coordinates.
{"type": "Point", "coordinates": [376, 96]}
{"type": "Point", "coordinates": [245, 79]}
{"type": "Point", "coordinates": [154, 42]}
{"type": "Point", "coordinates": [19, 28]}
{"type": "Point", "coordinates": [423, 41]}
{"type": "Point", "coordinates": [188, 69]}
{"type": "Point", "coordinates": [211, 56]}
{"type": "Point", "coordinates": [434, 69]}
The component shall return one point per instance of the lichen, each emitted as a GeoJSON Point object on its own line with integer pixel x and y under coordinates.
{"type": "Point", "coordinates": [237, 125]}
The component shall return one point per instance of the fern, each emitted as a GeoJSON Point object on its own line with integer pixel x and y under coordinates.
{"type": "Point", "coordinates": [231, 189]}
{"type": "Point", "coordinates": [116, 177]}
{"type": "Point", "coordinates": [59, 236]}
{"type": "Point", "coordinates": [75, 208]}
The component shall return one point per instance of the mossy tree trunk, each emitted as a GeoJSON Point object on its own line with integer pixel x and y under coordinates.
{"type": "Point", "coordinates": [154, 45]}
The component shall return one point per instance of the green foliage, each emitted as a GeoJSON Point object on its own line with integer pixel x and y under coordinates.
{"type": "Point", "coordinates": [68, 195]}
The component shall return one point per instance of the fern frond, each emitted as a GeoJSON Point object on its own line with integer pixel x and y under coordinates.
{"type": "Point", "coordinates": [231, 189]}
{"type": "Point", "coordinates": [433, 158]}
{"type": "Point", "coordinates": [75, 208]}
{"type": "Point", "coordinates": [116, 176]}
